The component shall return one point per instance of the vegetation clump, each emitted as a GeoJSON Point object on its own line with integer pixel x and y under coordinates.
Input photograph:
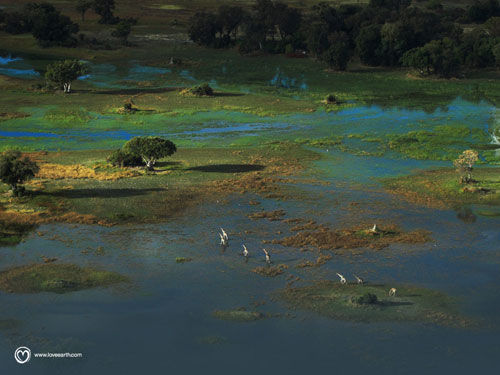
{"type": "Point", "coordinates": [200, 90]}
{"type": "Point", "coordinates": [324, 238]}
{"type": "Point", "coordinates": [238, 315]}
{"type": "Point", "coordinates": [183, 260]}
{"type": "Point", "coordinates": [150, 149]}
{"type": "Point", "coordinates": [372, 303]}
{"type": "Point", "coordinates": [270, 271]}
{"type": "Point", "coordinates": [16, 170]}
{"type": "Point", "coordinates": [367, 299]}
{"type": "Point", "coordinates": [55, 278]}
{"type": "Point", "coordinates": [464, 164]}
{"type": "Point", "coordinates": [63, 73]}
{"type": "Point", "coordinates": [270, 215]}
{"type": "Point", "coordinates": [11, 232]}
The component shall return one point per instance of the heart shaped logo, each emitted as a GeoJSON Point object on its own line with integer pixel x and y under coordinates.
{"type": "Point", "coordinates": [22, 355]}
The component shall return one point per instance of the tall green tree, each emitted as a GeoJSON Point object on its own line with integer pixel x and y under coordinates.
{"type": "Point", "coordinates": [150, 149]}
{"type": "Point", "coordinates": [16, 170]}
{"type": "Point", "coordinates": [63, 73]}
{"type": "Point", "coordinates": [105, 8]}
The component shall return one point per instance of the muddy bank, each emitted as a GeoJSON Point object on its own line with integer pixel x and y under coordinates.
{"type": "Point", "coordinates": [323, 238]}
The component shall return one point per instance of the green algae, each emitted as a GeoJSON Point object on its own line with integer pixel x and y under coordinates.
{"type": "Point", "coordinates": [238, 315]}
{"type": "Point", "coordinates": [12, 233]}
{"type": "Point", "coordinates": [183, 260]}
{"type": "Point", "coordinates": [55, 278]}
{"type": "Point", "coordinates": [371, 303]}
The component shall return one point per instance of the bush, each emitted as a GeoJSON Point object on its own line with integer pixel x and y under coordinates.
{"type": "Point", "coordinates": [202, 90]}
{"type": "Point", "coordinates": [120, 158]}
{"type": "Point", "coordinates": [367, 299]}
{"type": "Point", "coordinates": [330, 99]}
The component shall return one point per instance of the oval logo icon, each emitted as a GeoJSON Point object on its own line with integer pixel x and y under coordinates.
{"type": "Point", "coordinates": [22, 355]}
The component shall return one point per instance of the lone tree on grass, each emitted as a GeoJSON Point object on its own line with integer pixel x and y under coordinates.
{"type": "Point", "coordinates": [15, 170]}
{"type": "Point", "coordinates": [464, 165]}
{"type": "Point", "coordinates": [62, 73]}
{"type": "Point", "coordinates": [150, 149]}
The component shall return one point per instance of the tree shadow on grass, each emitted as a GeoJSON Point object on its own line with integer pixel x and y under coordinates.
{"type": "Point", "coordinates": [168, 164]}
{"type": "Point", "coordinates": [394, 303]}
{"type": "Point", "coordinates": [134, 91]}
{"type": "Point", "coordinates": [98, 193]}
{"type": "Point", "coordinates": [228, 168]}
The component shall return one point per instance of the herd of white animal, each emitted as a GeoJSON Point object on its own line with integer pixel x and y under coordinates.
{"type": "Point", "coordinates": [224, 242]}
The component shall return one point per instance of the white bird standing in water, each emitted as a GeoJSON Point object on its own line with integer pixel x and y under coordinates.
{"type": "Point", "coordinates": [392, 292]}
{"type": "Point", "coordinates": [342, 278]}
{"type": "Point", "coordinates": [268, 256]}
{"type": "Point", "coordinates": [245, 251]}
{"type": "Point", "coordinates": [359, 279]}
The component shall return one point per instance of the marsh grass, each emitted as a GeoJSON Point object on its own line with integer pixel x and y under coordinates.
{"type": "Point", "coordinates": [338, 301]}
{"type": "Point", "coordinates": [55, 278]}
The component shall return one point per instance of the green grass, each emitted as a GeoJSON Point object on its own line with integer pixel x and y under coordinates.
{"type": "Point", "coordinates": [410, 303]}
{"type": "Point", "coordinates": [55, 278]}
{"type": "Point", "coordinates": [442, 188]}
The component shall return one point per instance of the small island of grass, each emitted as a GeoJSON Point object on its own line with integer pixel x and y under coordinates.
{"type": "Point", "coordinates": [55, 278]}
{"type": "Point", "coordinates": [371, 303]}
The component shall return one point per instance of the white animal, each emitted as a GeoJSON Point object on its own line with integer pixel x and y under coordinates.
{"type": "Point", "coordinates": [359, 279]}
{"type": "Point", "coordinates": [223, 240]}
{"type": "Point", "coordinates": [342, 278]}
{"type": "Point", "coordinates": [245, 251]}
{"type": "Point", "coordinates": [374, 229]}
{"type": "Point", "coordinates": [268, 256]}
{"type": "Point", "coordinates": [224, 234]}
{"type": "Point", "coordinates": [392, 292]}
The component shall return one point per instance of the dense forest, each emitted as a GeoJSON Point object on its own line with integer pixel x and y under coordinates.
{"type": "Point", "coordinates": [427, 36]}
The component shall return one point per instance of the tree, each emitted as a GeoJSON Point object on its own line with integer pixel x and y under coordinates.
{"type": "Point", "coordinates": [62, 73]}
{"type": "Point", "coordinates": [82, 6]}
{"type": "Point", "coordinates": [368, 44]}
{"type": "Point", "coordinates": [105, 8]}
{"type": "Point", "coordinates": [150, 149]}
{"type": "Point", "coordinates": [122, 31]}
{"type": "Point", "coordinates": [440, 57]}
{"type": "Point", "coordinates": [15, 170]}
{"type": "Point", "coordinates": [287, 19]}
{"type": "Point", "coordinates": [464, 165]}
{"type": "Point", "coordinates": [230, 18]}
{"type": "Point", "coordinates": [204, 28]}
{"type": "Point", "coordinates": [338, 54]}
{"type": "Point", "coordinates": [492, 26]}
{"type": "Point", "coordinates": [477, 50]}
{"type": "Point", "coordinates": [49, 27]}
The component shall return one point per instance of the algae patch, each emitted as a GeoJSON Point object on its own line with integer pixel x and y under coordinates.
{"type": "Point", "coordinates": [238, 315]}
{"type": "Point", "coordinates": [11, 233]}
{"type": "Point", "coordinates": [55, 278]}
{"type": "Point", "coordinates": [270, 271]}
{"type": "Point", "coordinates": [372, 303]}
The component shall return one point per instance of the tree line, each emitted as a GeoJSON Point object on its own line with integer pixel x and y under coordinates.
{"type": "Point", "coordinates": [428, 37]}
{"type": "Point", "coordinates": [51, 28]}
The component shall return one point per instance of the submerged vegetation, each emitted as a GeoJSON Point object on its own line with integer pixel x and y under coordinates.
{"type": "Point", "coordinates": [324, 238]}
{"type": "Point", "coordinates": [55, 278]}
{"type": "Point", "coordinates": [241, 315]}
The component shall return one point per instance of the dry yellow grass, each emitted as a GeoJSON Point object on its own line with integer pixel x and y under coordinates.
{"type": "Point", "coordinates": [58, 172]}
